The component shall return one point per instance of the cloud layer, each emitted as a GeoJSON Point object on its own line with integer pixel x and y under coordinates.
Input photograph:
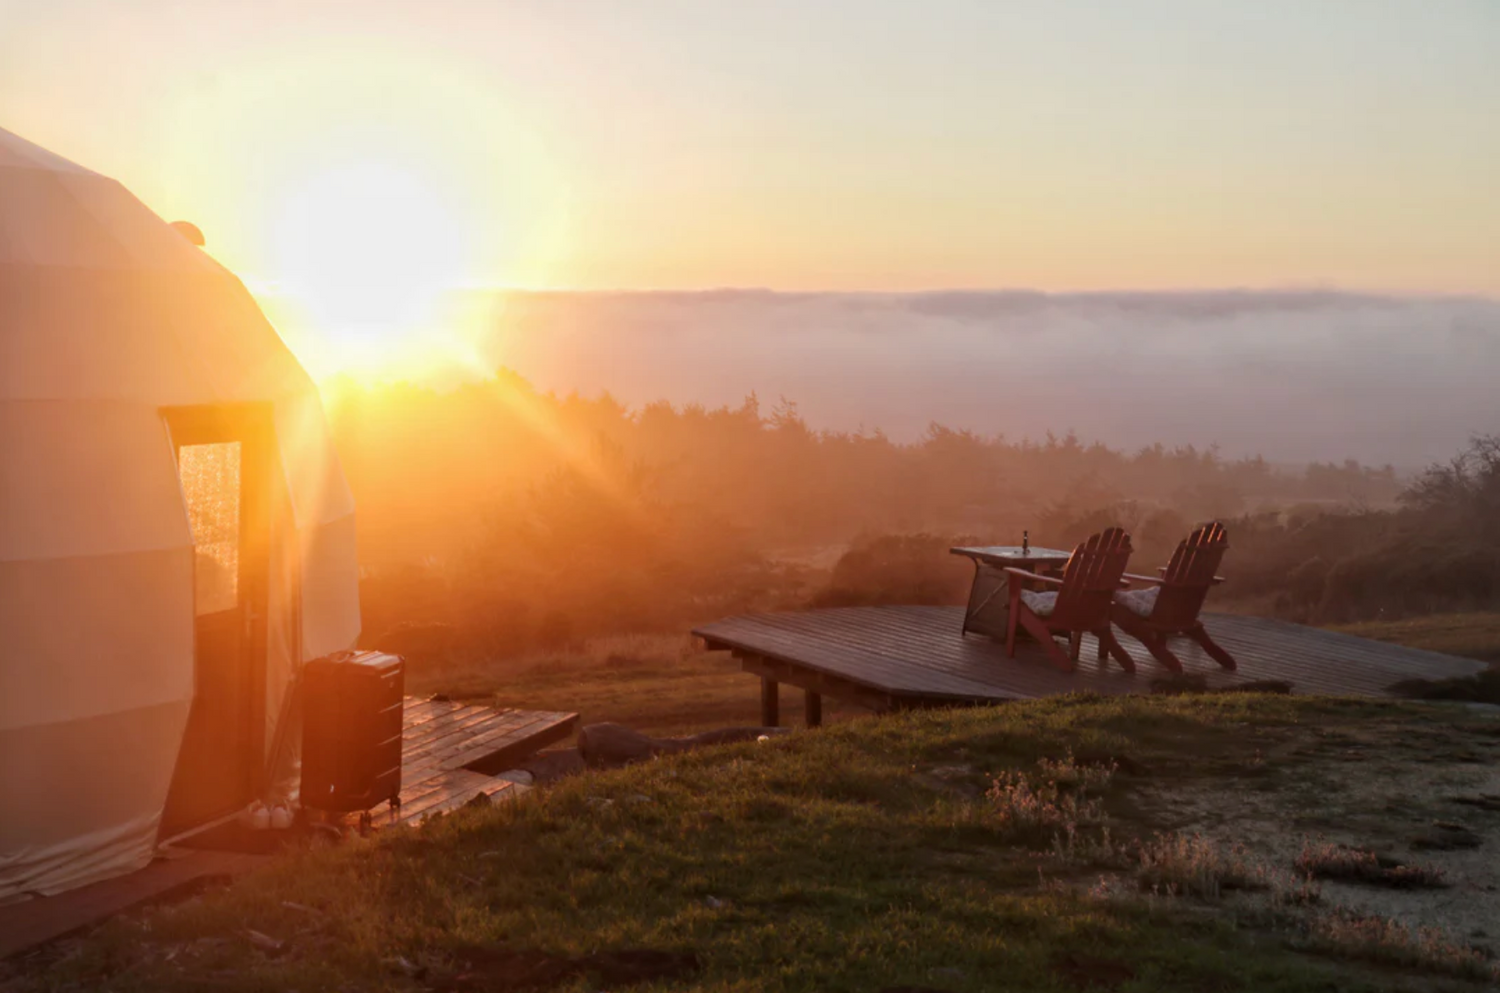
{"type": "Point", "coordinates": [1291, 375]}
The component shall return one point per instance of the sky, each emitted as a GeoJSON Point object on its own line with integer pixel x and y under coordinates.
{"type": "Point", "coordinates": [839, 145]}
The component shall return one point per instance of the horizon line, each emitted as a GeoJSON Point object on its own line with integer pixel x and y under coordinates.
{"type": "Point", "coordinates": [270, 288]}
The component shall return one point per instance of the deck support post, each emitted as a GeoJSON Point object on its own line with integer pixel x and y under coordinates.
{"type": "Point", "coordinates": [812, 707]}
{"type": "Point", "coordinates": [770, 703]}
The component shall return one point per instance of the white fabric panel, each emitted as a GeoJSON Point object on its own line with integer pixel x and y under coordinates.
{"type": "Point", "coordinates": [171, 338]}
{"type": "Point", "coordinates": [44, 225]}
{"type": "Point", "coordinates": [87, 636]}
{"type": "Point", "coordinates": [87, 480]}
{"type": "Point", "coordinates": [82, 800]}
{"type": "Point", "coordinates": [330, 589]}
{"type": "Point", "coordinates": [148, 242]}
{"type": "Point", "coordinates": [284, 611]}
{"type": "Point", "coordinates": [92, 334]}
{"type": "Point", "coordinates": [319, 490]}
{"type": "Point", "coordinates": [95, 686]}
{"type": "Point", "coordinates": [242, 355]}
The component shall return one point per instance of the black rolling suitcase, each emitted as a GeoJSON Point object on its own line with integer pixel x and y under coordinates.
{"type": "Point", "coordinates": [351, 731]}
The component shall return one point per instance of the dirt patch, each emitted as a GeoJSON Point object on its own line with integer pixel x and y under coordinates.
{"type": "Point", "coordinates": [1090, 758]}
{"type": "Point", "coordinates": [1445, 836]}
{"type": "Point", "coordinates": [1177, 685]}
{"type": "Point", "coordinates": [486, 969]}
{"type": "Point", "coordinates": [1490, 802]}
{"type": "Point", "coordinates": [960, 780]}
{"type": "Point", "coordinates": [1483, 688]}
{"type": "Point", "coordinates": [1087, 972]}
{"type": "Point", "coordinates": [546, 767]}
{"type": "Point", "coordinates": [1386, 788]}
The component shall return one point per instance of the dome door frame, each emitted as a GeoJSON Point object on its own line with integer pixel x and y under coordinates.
{"type": "Point", "coordinates": [221, 762]}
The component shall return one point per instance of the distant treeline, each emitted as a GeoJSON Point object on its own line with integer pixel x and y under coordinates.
{"type": "Point", "coordinates": [494, 519]}
{"type": "Point", "coordinates": [1436, 551]}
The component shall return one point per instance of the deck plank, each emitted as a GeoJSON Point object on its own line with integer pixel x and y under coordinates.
{"type": "Point", "coordinates": [918, 656]}
{"type": "Point", "coordinates": [512, 734]}
{"type": "Point", "coordinates": [502, 740]}
{"type": "Point", "coordinates": [451, 751]}
{"type": "Point", "coordinates": [445, 725]}
{"type": "Point", "coordinates": [34, 922]}
{"type": "Point", "coordinates": [445, 791]}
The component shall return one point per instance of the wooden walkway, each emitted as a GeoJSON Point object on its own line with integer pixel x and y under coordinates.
{"type": "Point", "coordinates": [451, 753]}
{"type": "Point", "coordinates": [34, 922]}
{"type": "Point", "coordinates": [887, 658]}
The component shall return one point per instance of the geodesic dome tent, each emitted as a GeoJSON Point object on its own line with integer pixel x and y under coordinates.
{"type": "Point", "coordinates": [176, 533]}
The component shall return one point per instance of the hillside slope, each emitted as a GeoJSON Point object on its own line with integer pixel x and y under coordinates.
{"type": "Point", "coordinates": [1066, 844]}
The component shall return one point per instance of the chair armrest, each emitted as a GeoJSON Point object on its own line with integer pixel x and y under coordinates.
{"type": "Point", "coordinates": [1159, 580]}
{"type": "Point", "coordinates": [1024, 574]}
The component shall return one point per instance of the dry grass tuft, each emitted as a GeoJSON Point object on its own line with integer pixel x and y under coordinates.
{"type": "Point", "coordinates": [1192, 865]}
{"type": "Point", "coordinates": [1388, 942]}
{"type": "Point", "coordinates": [1324, 860]}
{"type": "Point", "coordinates": [1059, 803]}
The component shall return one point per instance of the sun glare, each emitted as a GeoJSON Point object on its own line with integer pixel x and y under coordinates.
{"type": "Point", "coordinates": [367, 252]}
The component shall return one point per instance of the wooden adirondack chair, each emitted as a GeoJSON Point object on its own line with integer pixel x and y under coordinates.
{"type": "Point", "coordinates": [1080, 603]}
{"type": "Point", "coordinates": [1170, 605]}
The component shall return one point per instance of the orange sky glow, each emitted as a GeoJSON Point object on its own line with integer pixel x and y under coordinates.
{"type": "Point", "coordinates": [354, 163]}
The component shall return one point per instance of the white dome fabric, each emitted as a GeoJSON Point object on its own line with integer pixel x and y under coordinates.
{"type": "Point", "coordinates": [108, 317]}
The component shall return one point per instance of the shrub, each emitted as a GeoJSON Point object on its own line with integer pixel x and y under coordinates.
{"type": "Point", "coordinates": [1482, 688]}
{"type": "Point", "coordinates": [896, 569]}
{"type": "Point", "coordinates": [1304, 584]}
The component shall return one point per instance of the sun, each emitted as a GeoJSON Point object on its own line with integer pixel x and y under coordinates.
{"type": "Point", "coordinates": [366, 252]}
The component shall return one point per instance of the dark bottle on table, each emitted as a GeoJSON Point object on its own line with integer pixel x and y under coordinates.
{"type": "Point", "coordinates": [1025, 542]}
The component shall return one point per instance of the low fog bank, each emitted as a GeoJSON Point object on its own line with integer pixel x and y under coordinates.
{"type": "Point", "coordinates": [1294, 376]}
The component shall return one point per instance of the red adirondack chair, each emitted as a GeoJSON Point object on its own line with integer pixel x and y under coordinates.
{"type": "Point", "coordinates": [1170, 605]}
{"type": "Point", "coordinates": [1080, 603]}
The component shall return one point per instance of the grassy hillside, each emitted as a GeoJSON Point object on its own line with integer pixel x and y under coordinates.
{"type": "Point", "coordinates": [1025, 847]}
{"type": "Point", "coordinates": [662, 684]}
{"type": "Point", "coordinates": [1475, 635]}
{"type": "Point", "coordinates": [665, 684]}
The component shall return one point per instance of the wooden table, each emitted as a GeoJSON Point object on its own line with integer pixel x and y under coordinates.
{"type": "Point", "coordinates": [989, 606]}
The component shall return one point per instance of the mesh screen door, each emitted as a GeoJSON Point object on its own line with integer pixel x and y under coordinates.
{"type": "Point", "coordinates": [211, 483]}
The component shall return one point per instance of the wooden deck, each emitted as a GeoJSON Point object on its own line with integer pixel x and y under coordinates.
{"type": "Point", "coordinates": [451, 753]}
{"type": "Point", "coordinates": [887, 658]}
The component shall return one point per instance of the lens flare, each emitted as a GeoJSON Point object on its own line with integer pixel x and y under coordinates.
{"type": "Point", "coordinates": [367, 251]}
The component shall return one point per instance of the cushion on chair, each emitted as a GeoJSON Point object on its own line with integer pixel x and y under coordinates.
{"type": "Point", "coordinates": [1041, 604]}
{"type": "Point", "coordinates": [1139, 602]}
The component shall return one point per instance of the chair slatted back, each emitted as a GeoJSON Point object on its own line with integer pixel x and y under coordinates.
{"type": "Point", "coordinates": [1090, 580]}
{"type": "Point", "coordinates": [1189, 575]}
